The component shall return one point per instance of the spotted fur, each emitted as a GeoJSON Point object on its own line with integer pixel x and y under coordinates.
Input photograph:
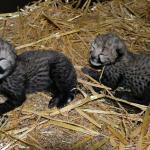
{"type": "Point", "coordinates": [122, 68]}
{"type": "Point", "coordinates": [39, 71]}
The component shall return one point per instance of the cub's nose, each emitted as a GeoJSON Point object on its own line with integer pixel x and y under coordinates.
{"type": "Point", "coordinates": [94, 58]}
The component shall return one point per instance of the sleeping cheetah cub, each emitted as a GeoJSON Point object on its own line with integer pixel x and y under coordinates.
{"type": "Point", "coordinates": [122, 68]}
{"type": "Point", "coordinates": [35, 71]}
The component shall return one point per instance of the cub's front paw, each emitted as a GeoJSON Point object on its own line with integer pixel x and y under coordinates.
{"type": "Point", "coordinates": [95, 74]}
{"type": "Point", "coordinates": [60, 101]}
{"type": "Point", "coordinates": [53, 102]}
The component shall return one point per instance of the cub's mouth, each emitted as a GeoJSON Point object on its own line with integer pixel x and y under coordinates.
{"type": "Point", "coordinates": [95, 63]}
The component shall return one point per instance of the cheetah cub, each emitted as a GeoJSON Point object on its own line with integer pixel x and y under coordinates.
{"type": "Point", "coordinates": [34, 71]}
{"type": "Point", "coordinates": [121, 67]}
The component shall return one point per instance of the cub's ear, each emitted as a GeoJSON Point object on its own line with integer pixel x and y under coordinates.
{"type": "Point", "coordinates": [121, 48]}
{"type": "Point", "coordinates": [120, 52]}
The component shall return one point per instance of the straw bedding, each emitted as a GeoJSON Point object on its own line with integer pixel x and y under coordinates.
{"type": "Point", "coordinates": [90, 121]}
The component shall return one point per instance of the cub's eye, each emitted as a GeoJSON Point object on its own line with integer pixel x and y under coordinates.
{"type": "Point", "coordinates": [99, 56]}
{"type": "Point", "coordinates": [119, 52]}
{"type": "Point", "coordinates": [1, 70]}
{"type": "Point", "coordinates": [101, 53]}
{"type": "Point", "coordinates": [93, 46]}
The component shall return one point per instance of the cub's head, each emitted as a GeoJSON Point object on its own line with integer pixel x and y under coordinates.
{"type": "Point", "coordinates": [7, 58]}
{"type": "Point", "coordinates": [106, 49]}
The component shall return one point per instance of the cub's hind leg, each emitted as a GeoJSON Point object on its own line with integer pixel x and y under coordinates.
{"type": "Point", "coordinates": [64, 80]}
{"type": "Point", "coordinates": [62, 94]}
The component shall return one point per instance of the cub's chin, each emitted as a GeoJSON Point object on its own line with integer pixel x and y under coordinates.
{"type": "Point", "coordinates": [96, 65]}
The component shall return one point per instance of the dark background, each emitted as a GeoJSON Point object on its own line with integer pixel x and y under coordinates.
{"type": "Point", "coordinates": [13, 5]}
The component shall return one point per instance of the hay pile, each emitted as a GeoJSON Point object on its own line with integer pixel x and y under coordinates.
{"type": "Point", "coordinates": [89, 122]}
